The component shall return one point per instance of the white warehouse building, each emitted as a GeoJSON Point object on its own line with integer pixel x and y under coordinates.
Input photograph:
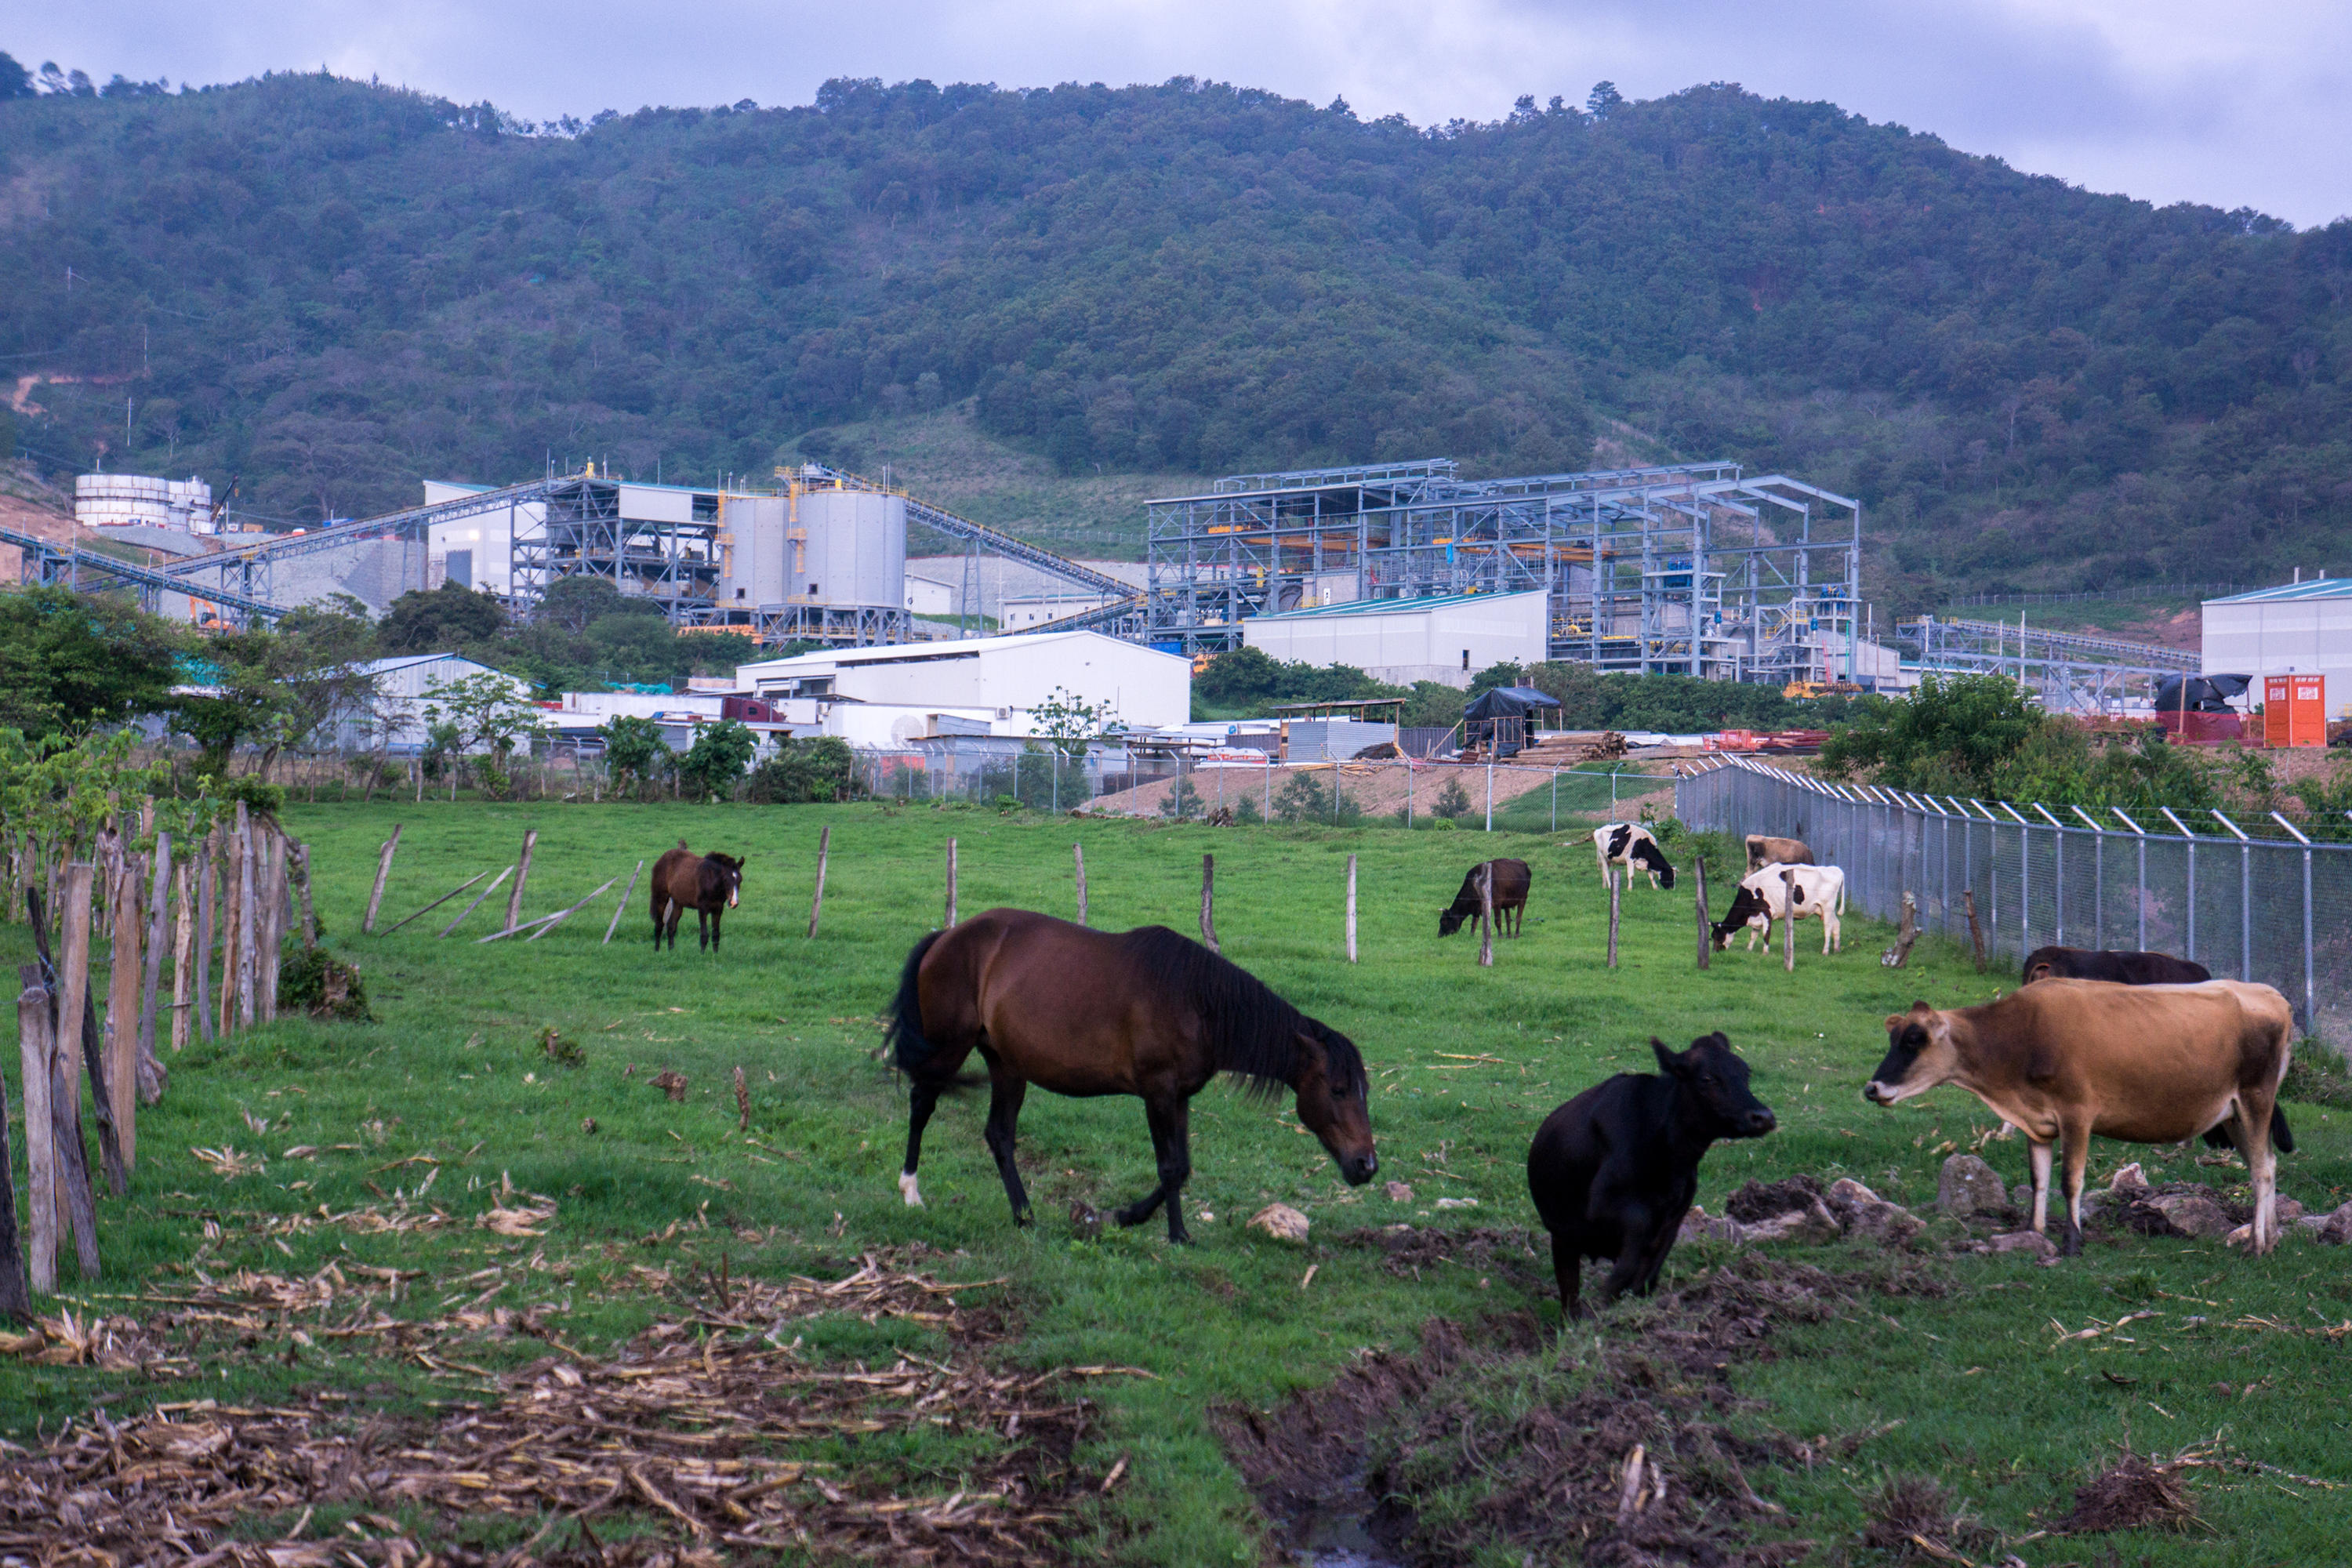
{"type": "Point", "coordinates": [2304, 628]}
{"type": "Point", "coordinates": [980, 686]}
{"type": "Point", "coordinates": [1449, 639]}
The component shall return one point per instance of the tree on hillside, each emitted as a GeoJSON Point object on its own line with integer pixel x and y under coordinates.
{"type": "Point", "coordinates": [445, 620]}
{"type": "Point", "coordinates": [68, 662]}
{"type": "Point", "coordinates": [16, 81]}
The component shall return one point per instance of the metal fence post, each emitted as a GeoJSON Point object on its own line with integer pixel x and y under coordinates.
{"type": "Point", "coordinates": [2246, 897]}
{"type": "Point", "coordinates": [1555, 799]}
{"type": "Point", "coordinates": [2058, 852]}
{"type": "Point", "coordinates": [2191, 953]}
{"type": "Point", "coordinates": [2098, 877]}
{"type": "Point", "coordinates": [2139, 892]}
{"type": "Point", "coordinates": [2310, 980]}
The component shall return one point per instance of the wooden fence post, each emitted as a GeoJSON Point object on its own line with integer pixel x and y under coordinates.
{"type": "Point", "coordinates": [1613, 895]}
{"type": "Point", "coordinates": [1906, 934]}
{"type": "Point", "coordinates": [1351, 909]}
{"type": "Point", "coordinates": [1209, 902]}
{"type": "Point", "coordinates": [1698, 872]}
{"type": "Point", "coordinates": [207, 897]}
{"type": "Point", "coordinates": [816, 904]}
{"type": "Point", "coordinates": [37, 1044]}
{"type": "Point", "coordinates": [1789, 920]}
{"type": "Point", "coordinates": [152, 984]}
{"type": "Point", "coordinates": [951, 884]}
{"type": "Point", "coordinates": [274, 893]}
{"type": "Point", "coordinates": [1975, 931]}
{"type": "Point", "coordinates": [382, 870]}
{"type": "Point", "coordinates": [232, 879]}
{"type": "Point", "coordinates": [619, 909]}
{"type": "Point", "coordinates": [15, 1301]}
{"type": "Point", "coordinates": [1078, 853]}
{"type": "Point", "coordinates": [121, 1033]}
{"type": "Point", "coordinates": [1486, 917]}
{"type": "Point", "coordinates": [76, 1200]}
{"type": "Point", "coordinates": [523, 874]}
{"type": "Point", "coordinates": [73, 953]}
{"type": "Point", "coordinates": [413, 914]}
{"type": "Point", "coordinates": [184, 943]}
{"type": "Point", "coordinates": [248, 913]}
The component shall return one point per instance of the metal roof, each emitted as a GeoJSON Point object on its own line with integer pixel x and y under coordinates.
{"type": "Point", "coordinates": [2314, 588]}
{"type": "Point", "coordinates": [1393, 606]}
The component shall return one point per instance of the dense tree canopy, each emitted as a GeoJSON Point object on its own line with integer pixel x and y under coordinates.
{"type": "Point", "coordinates": [333, 289]}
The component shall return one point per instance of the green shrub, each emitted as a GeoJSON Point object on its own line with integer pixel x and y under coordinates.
{"type": "Point", "coordinates": [1452, 801]}
{"type": "Point", "coordinates": [314, 982]}
{"type": "Point", "coordinates": [822, 768]}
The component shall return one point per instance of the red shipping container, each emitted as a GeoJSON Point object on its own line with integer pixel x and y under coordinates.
{"type": "Point", "coordinates": [2295, 710]}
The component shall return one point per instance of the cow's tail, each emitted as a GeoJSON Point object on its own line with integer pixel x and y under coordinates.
{"type": "Point", "coordinates": [2281, 1135]}
{"type": "Point", "coordinates": [1840, 896]}
{"type": "Point", "coordinates": [904, 1032]}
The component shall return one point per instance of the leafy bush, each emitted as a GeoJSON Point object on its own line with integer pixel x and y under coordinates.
{"type": "Point", "coordinates": [821, 768]}
{"type": "Point", "coordinates": [1452, 802]}
{"type": "Point", "coordinates": [717, 759]}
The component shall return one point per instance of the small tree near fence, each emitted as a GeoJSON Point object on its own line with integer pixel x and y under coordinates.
{"type": "Point", "coordinates": [717, 759]}
{"type": "Point", "coordinates": [635, 752]}
{"type": "Point", "coordinates": [1068, 722]}
{"type": "Point", "coordinates": [485, 710]}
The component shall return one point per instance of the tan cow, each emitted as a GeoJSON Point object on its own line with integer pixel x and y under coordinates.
{"type": "Point", "coordinates": [2065, 1059]}
{"type": "Point", "coordinates": [1763, 851]}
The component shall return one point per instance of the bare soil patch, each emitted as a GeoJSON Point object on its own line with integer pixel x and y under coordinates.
{"type": "Point", "coordinates": [1629, 1459]}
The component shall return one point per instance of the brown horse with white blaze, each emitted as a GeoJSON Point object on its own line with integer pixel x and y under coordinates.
{"type": "Point", "coordinates": [710, 885]}
{"type": "Point", "coordinates": [1084, 1013]}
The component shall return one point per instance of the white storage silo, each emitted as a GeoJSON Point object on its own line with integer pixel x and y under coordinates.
{"type": "Point", "coordinates": [851, 549]}
{"type": "Point", "coordinates": [757, 553]}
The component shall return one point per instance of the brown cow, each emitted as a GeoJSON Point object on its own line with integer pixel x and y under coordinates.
{"type": "Point", "coordinates": [2063, 1059]}
{"type": "Point", "coordinates": [710, 885]}
{"type": "Point", "coordinates": [1512, 880]}
{"type": "Point", "coordinates": [1763, 851]}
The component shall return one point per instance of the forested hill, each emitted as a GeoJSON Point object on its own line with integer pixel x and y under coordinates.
{"type": "Point", "coordinates": [334, 289]}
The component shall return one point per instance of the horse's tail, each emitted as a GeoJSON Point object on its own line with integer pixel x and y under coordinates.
{"type": "Point", "coordinates": [904, 1033]}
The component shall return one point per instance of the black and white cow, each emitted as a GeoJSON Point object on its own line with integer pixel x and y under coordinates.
{"type": "Point", "coordinates": [1764, 897]}
{"type": "Point", "coordinates": [1629, 844]}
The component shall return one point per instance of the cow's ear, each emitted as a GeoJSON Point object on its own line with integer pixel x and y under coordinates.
{"type": "Point", "coordinates": [1667, 1059]}
{"type": "Point", "coordinates": [1897, 1020]}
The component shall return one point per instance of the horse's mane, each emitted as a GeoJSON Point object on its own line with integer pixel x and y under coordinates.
{"type": "Point", "coordinates": [1251, 1033]}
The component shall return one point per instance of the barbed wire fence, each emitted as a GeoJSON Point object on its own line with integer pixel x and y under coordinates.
{"type": "Point", "coordinates": [2272, 910]}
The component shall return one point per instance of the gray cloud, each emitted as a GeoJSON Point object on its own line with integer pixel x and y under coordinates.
{"type": "Point", "coordinates": [2164, 99]}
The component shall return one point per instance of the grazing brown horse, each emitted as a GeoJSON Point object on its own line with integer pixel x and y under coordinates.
{"type": "Point", "coordinates": [710, 885]}
{"type": "Point", "coordinates": [1146, 1011]}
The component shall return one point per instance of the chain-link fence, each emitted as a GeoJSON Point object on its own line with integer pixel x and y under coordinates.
{"type": "Point", "coordinates": [1402, 791]}
{"type": "Point", "coordinates": [2278, 910]}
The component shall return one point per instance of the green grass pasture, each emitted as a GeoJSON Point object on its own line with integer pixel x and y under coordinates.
{"type": "Point", "coordinates": [1978, 1387]}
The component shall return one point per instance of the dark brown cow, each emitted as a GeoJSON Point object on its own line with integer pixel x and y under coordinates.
{"type": "Point", "coordinates": [2064, 1060]}
{"type": "Point", "coordinates": [710, 885]}
{"type": "Point", "coordinates": [1512, 879]}
{"type": "Point", "coordinates": [2123, 968]}
{"type": "Point", "coordinates": [1763, 851]}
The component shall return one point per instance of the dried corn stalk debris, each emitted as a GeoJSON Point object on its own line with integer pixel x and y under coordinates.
{"type": "Point", "coordinates": [699, 1426]}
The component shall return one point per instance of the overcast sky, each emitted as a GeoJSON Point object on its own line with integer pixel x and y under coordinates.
{"type": "Point", "coordinates": [2234, 102]}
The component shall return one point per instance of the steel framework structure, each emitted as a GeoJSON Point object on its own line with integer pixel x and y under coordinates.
{"type": "Point", "coordinates": [1690, 569]}
{"type": "Point", "coordinates": [88, 571]}
{"type": "Point", "coordinates": [2073, 673]}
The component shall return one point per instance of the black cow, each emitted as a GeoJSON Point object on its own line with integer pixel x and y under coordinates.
{"type": "Point", "coordinates": [1613, 1170]}
{"type": "Point", "coordinates": [1512, 879]}
{"type": "Point", "coordinates": [2123, 968]}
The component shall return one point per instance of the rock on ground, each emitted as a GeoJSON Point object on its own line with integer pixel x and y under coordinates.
{"type": "Point", "coordinates": [2336, 1230]}
{"type": "Point", "coordinates": [1281, 1222]}
{"type": "Point", "coordinates": [1968, 1185]}
{"type": "Point", "coordinates": [2032, 1241]}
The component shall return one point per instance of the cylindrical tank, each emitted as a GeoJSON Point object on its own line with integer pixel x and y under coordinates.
{"type": "Point", "coordinates": [853, 549]}
{"type": "Point", "coordinates": [757, 553]}
{"type": "Point", "coordinates": [138, 501]}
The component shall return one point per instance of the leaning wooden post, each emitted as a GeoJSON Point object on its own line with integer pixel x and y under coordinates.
{"type": "Point", "coordinates": [272, 934]}
{"type": "Point", "coordinates": [1351, 909]}
{"type": "Point", "coordinates": [1975, 931]}
{"type": "Point", "coordinates": [523, 874]}
{"type": "Point", "coordinates": [382, 870]}
{"type": "Point", "coordinates": [623, 906]}
{"type": "Point", "coordinates": [1209, 902]}
{"type": "Point", "coordinates": [952, 884]}
{"type": "Point", "coordinates": [73, 954]}
{"type": "Point", "coordinates": [1789, 920]}
{"type": "Point", "coordinates": [496, 882]}
{"type": "Point", "coordinates": [1698, 871]}
{"type": "Point", "coordinates": [1486, 917]}
{"type": "Point", "coordinates": [121, 1035]}
{"type": "Point", "coordinates": [35, 1045]}
{"type": "Point", "coordinates": [183, 945]}
{"type": "Point", "coordinates": [1078, 853]}
{"type": "Point", "coordinates": [76, 1199]}
{"type": "Point", "coordinates": [1906, 934]}
{"type": "Point", "coordinates": [816, 904]}
{"type": "Point", "coordinates": [15, 1301]}
{"type": "Point", "coordinates": [1613, 895]}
